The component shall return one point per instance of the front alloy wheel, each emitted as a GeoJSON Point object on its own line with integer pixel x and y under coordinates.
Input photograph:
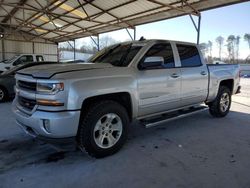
{"type": "Point", "coordinates": [108, 130]}
{"type": "Point", "coordinates": [103, 129]}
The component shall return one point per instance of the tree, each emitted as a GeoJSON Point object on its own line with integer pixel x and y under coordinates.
{"type": "Point", "coordinates": [231, 40]}
{"type": "Point", "coordinates": [204, 48]}
{"type": "Point", "coordinates": [237, 42]}
{"type": "Point", "coordinates": [220, 41]}
{"type": "Point", "coordinates": [247, 38]}
{"type": "Point", "coordinates": [210, 45]}
{"type": "Point", "coordinates": [106, 41]}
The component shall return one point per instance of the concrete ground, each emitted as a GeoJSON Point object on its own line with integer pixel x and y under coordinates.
{"type": "Point", "coordinates": [197, 151]}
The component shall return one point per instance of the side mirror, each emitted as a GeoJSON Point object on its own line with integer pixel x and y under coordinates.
{"type": "Point", "coordinates": [153, 62]}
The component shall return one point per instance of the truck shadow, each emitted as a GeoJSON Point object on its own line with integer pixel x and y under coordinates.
{"type": "Point", "coordinates": [22, 151]}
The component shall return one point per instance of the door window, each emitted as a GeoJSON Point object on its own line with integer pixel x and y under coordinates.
{"type": "Point", "coordinates": [26, 59]}
{"type": "Point", "coordinates": [162, 50]}
{"type": "Point", "coordinates": [39, 58]}
{"type": "Point", "coordinates": [189, 55]}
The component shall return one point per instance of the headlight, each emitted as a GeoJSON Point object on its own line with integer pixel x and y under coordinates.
{"type": "Point", "coordinates": [49, 88]}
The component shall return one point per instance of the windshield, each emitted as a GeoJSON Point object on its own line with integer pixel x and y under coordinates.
{"type": "Point", "coordinates": [10, 60]}
{"type": "Point", "coordinates": [118, 55]}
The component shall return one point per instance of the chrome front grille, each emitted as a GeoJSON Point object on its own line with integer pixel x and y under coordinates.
{"type": "Point", "coordinates": [26, 103]}
{"type": "Point", "coordinates": [26, 85]}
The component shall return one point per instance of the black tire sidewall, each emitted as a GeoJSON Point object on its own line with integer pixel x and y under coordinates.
{"type": "Point", "coordinates": [5, 94]}
{"type": "Point", "coordinates": [88, 129]}
{"type": "Point", "coordinates": [224, 90]}
{"type": "Point", "coordinates": [215, 106]}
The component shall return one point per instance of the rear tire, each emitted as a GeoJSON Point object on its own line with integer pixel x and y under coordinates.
{"type": "Point", "coordinates": [3, 94]}
{"type": "Point", "coordinates": [104, 128]}
{"type": "Point", "coordinates": [221, 105]}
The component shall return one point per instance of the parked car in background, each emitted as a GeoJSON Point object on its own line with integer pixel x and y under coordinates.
{"type": "Point", "coordinates": [7, 80]}
{"type": "Point", "coordinates": [94, 103]}
{"type": "Point", "coordinates": [72, 61]}
{"type": "Point", "coordinates": [20, 60]}
{"type": "Point", "coordinates": [245, 70]}
{"type": "Point", "coordinates": [218, 62]}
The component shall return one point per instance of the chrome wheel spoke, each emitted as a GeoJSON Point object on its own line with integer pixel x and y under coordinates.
{"type": "Point", "coordinates": [1, 94]}
{"type": "Point", "coordinates": [108, 130]}
{"type": "Point", "coordinates": [224, 102]}
{"type": "Point", "coordinates": [111, 140]}
{"type": "Point", "coordinates": [100, 139]}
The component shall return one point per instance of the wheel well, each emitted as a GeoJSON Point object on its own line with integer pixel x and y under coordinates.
{"type": "Point", "coordinates": [3, 88]}
{"type": "Point", "coordinates": [228, 83]}
{"type": "Point", "coordinates": [122, 98]}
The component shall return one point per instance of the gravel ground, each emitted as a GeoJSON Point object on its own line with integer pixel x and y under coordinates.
{"type": "Point", "coordinates": [197, 151]}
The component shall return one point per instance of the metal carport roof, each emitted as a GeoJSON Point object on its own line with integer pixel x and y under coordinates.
{"type": "Point", "coordinates": [62, 20]}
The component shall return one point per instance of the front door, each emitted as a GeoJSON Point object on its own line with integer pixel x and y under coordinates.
{"type": "Point", "coordinates": [159, 87]}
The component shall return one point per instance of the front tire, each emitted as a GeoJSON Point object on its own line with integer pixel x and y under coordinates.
{"type": "Point", "coordinates": [221, 105]}
{"type": "Point", "coordinates": [104, 128]}
{"type": "Point", "coordinates": [3, 94]}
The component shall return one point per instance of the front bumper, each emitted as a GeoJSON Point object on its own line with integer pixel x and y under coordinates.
{"type": "Point", "coordinates": [48, 125]}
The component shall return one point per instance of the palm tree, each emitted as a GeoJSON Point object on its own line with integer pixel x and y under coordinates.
{"type": "Point", "coordinates": [237, 47]}
{"type": "Point", "coordinates": [247, 38]}
{"type": "Point", "coordinates": [220, 41]}
{"type": "Point", "coordinates": [210, 45]}
{"type": "Point", "coordinates": [231, 40]}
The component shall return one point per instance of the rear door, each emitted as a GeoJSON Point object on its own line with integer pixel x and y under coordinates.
{"type": "Point", "coordinates": [159, 87]}
{"type": "Point", "coordinates": [194, 73]}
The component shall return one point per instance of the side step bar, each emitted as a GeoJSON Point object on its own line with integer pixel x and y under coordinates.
{"type": "Point", "coordinates": [151, 122]}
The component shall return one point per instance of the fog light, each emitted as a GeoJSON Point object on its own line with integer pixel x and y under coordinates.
{"type": "Point", "coordinates": [46, 125]}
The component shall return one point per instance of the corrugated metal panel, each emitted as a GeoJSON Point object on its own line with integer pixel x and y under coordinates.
{"type": "Point", "coordinates": [95, 16]}
{"type": "Point", "coordinates": [133, 8]}
{"type": "Point", "coordinates": [40, 48]}
{"type": "Point", "coordinates": [17, 47]}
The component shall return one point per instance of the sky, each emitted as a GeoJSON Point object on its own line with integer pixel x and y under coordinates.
{"type": "Point", "coordinates": [234, 19]}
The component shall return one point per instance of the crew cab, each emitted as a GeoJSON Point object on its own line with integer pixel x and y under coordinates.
{"type": "Point", "coordinates": [20, 60]}
{"type": "Point", "coordinates": [94, 103]}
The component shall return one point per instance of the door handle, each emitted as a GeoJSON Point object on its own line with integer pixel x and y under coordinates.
{"type": "Point", "coordinates": [203, 73]}
{"type": "Point", "coordinates": [174, 75]}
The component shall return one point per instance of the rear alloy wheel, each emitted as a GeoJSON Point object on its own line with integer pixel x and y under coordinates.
{"type": "Point", "coordinates": [103, 129]}
{"type": "Point", "coordinates": [221, 105]}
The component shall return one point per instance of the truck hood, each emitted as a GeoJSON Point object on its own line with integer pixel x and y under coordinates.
{"type": "Point", "coordinates": [47, 71]}
{"type": "Point", "coordinates": [2, 66]}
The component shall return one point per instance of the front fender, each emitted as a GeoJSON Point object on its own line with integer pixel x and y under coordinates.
{"type": "Point", "coordinates": [83, 89]}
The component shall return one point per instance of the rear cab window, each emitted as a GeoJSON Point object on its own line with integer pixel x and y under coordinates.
{"type": "Point", "coordinates": [189, 55]}
{"type": "Point", "coordinates": [39, 58]}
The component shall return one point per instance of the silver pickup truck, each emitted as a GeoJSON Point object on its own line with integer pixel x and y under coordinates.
{"type": "Point", "coordinates": [94, 103]}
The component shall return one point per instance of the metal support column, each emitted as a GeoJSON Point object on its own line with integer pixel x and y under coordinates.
{"type": "Point", "coordinates": [74, 49]}
{"type": "Point", "coordinates": [97, 43]}
{"type": "Point", "coordinates": [3, 48]}
{"type": "Point", "coordinates": [197, 28]}
{"type": "Point", "coordinates": [33, 47]}
{"type": "Point", "coordinates": [135, 33]}
{"type": "Point", "coordinates": [57, 52]}
{"type": "Point", "coordinates": [132, 37]}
